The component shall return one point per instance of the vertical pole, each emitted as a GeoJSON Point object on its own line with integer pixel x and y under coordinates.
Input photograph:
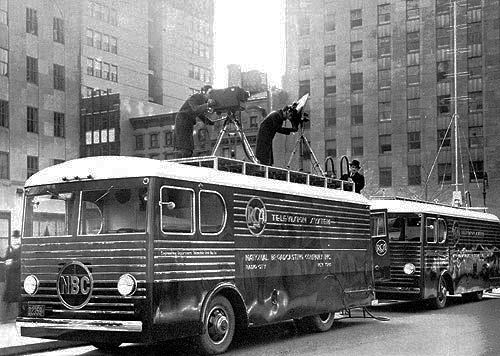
{"type": "Point", "coordinates": [455, 92]}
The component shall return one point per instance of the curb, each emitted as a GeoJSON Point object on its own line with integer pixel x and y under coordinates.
{"type": "Point", "coordinates": [38, 347]}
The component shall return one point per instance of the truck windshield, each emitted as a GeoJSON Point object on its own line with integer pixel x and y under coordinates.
{"type": "Point", "coordinates": [113, 210]}
{"type": "Point", "coordinates": [49, 214]}
{"type": "Point", "coordinates": [116, 209]}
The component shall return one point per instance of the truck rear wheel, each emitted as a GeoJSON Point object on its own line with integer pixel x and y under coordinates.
{"type": "Point", "coordinates": [320, 322]}
{"type": "Point", "coordinates": [218, 328]}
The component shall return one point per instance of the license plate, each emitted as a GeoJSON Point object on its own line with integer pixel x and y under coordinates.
{"type": "Point", "coordinates": [36, 310]}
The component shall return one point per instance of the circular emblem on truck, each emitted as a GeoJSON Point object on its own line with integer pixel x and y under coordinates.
{"type": "Point", "coordinates": [256, 216]}
{"type": "Point", "coordinates": [381, 247]}
{"type": "Point", "coordinates": [74, 285]}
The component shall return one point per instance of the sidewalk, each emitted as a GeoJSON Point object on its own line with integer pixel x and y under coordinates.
{"type": "Point", "coordinates": [12, 343]}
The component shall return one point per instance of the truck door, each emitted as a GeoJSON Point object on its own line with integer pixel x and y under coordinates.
{"type": "Point", "coordinates": [380, 245]}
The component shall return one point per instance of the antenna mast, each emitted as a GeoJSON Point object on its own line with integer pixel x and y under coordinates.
{"type": "Point", "coordinates": [457, 195]}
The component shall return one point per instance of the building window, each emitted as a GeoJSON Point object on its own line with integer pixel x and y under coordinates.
{"type": "Point", "coordinates": [356, 115]}
{"type": "Point", "coordinates": [443, 138]}
{"type": "Point", "coordinates": [413, 75]}
{"type": "Point", "coordinates": [413, 108]}
{"type": "Point", "coordinates": [331, 148]}
{"type": "Point", "coordinates": [476, 170]}
{"type": "Point", "coordinates": [4, 113]}
{"type": "Point", "coordinates": [4, 165]}
{"type": "Point", "coordinates": [330, 85]}
{"type": "Point", "coordinates": [356, 82]}
{"type": "Point", "coordinates": [384, 111]}
{"type": "Point", "coordinates": [330, 117]}
{"type": "Point", "coordinates": [443, 37]}
{"type": "Point", "coordinates": [414, 140]}
{"type": "Point", "coordinates": [384, 79]}
{"type": "Point", "coordinates": [444, 173]}
{"type": "Point", "coordinates": [31, 21]}
{"type": "Point", "coordinates": [330, 54]}
{"type": "Point", "coordinates": [414, 176]}
{"type": "Point", "coordinates": [113, 45]}
{"type": "Point", "coordinates": [356, 50]}
{"type": "Point", "coordinates": [384, 46]}
{"type": "Point", "coordinates": [385, 144]}
{"type": "Point", "coordinates": [385, 177]}
{"type": "Point", "coordinates": [443, 104]}
{"type": "Point", "coordinates": [105, 71]}
{"type": "Point", "coordinates": [4, 62]}
{"type": "Point", "coordinates": [113, 17]}
{"type": "Point", "coordinates": [105, 42]}
{"type": "Point", "coordinates": [169, 138]}
{"type": "Point", "coordinates": [97, 68]}
{"type": "Point", "coordinates": [32, 70]}
{"type": "Point", "coordinates": [59, 127]}
{"type": "Point", "coordinates": [412, 10]}
{"type": "Point", "coordinates": [3, 12]}
{"type": "Point", "coordinates": [330, 21]}
{"type": "Point", "coordinates": [304, 87]}
{"type": "Point", "coordinates": [97, 40]}
{"type": "Point", "coordinates": [90, 37]}
{"type": "Point", "coordinates": [31, 165]}
{"type": "Point", "coordinates": [58, 30]}
{"type": "Point", "coordinates": [475, 136]}
{"type": "Point", "coordinates": [357, 146]}
{"type": "Point", "coordinates": [304, 57]}
{"type": "Point", "coordinates": [59, 77]}
{"type": "Point", "coordinates": [475, 102]}
{"type": "Point", "coordinates": [153, 141]}
{"type": "Point", "coordinates": [139, 142]}
{"type": "Point", "coordinates": [114, 73]}
{"type": "Point", "coordinates": [474, 34]}
{"type": "Point", "coordinates": [253, 121]}
{"type": "Point", "coordinates": [90, 66]}
{"type": "Point", "coordinates": [32, 119]}
{"type": "Point", "coordinates": [356, 18]}
{"type": "Point", "coordinates": [384, 13]}
{"type": "Point", "coordinates": [443, 71]}
{"type": "Point", "coordinates": [304, 25]}
{"type": "Point", "coordinates": [413, 41]}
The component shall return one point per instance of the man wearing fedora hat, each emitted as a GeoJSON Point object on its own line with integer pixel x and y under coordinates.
{"type": "Point", "coordinates": [355, 176]}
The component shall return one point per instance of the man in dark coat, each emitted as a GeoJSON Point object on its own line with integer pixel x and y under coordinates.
{"type": "Point", "coordinates": [355, 176]}
{"type": "Point", "coordinates": [271, 125]}
{"type": "Point", "coordinates": [195, 106]}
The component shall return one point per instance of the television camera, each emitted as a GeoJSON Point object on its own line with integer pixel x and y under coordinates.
{"type": "Point", "coordinates": [298, 117]}
{"type": "Point", "coordinates": [228, 99]}
{"type": "Point", "coordinates": [231, 101]}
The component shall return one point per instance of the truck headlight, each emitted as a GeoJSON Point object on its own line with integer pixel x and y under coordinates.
{"type": "Point", "coordinates": [126, 285]}
{"type": "Point", "coordinates": [31, 284]}
{"type": "Point", "coordinates": [409, 268]}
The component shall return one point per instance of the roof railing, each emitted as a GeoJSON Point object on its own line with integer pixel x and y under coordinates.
{"type": "Point", "coordinates": [264, 171]}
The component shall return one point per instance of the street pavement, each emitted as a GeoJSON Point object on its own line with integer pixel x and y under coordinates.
{"type": "Point", "coordinates": [12, 343]}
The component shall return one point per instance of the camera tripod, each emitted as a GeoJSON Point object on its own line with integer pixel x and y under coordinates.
{"type": "Point", "coordinates": [301, 143]}
{"type": "Point", "coordinates": [232, 119]}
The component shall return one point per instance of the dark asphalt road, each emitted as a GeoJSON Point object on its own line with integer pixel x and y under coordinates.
{"type": "Point", "coordinates": [463, 328]}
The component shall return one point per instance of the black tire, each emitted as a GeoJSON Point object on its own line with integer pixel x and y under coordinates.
{"type": "Point", "coordinates": [107, 347]}
{"type": "Point", "coordinates": [441, 295]}
{"type": "Point", "coordinates": [473, 296]}
{"type": "Point", "coordinates": [319, 323]}
{"type": "Point", "coordinates": [219, 327]}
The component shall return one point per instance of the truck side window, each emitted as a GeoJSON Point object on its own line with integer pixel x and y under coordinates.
{"type": "Point", "coordinates": [378, 224]}
{"type": "Point", "coordinates": [212, 212]}
{"type": "Point", "coordinates": [442, 231]}
{"type": "Point", "coordinates": [430, 230]}
{"type": "Point", "coordinates": [177, 207]}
